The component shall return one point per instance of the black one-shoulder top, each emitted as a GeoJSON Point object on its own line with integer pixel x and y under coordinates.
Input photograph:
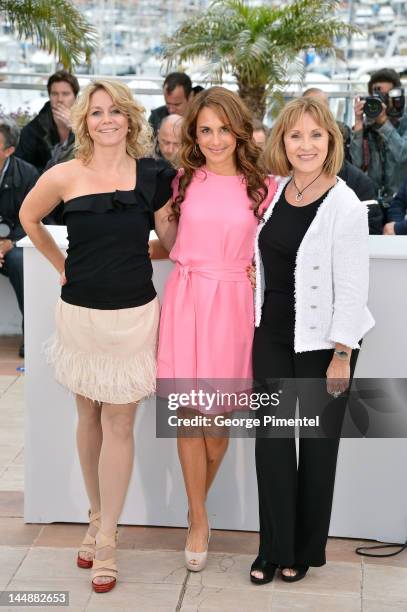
{"type": "Point", "coordinates": [108, 265]}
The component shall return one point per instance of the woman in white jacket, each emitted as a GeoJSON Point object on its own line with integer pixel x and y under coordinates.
{"type": "Point", "coordinates": [312, 272]}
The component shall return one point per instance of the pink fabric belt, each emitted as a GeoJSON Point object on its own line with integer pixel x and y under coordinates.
{"type": "Point", "coordinates": [233, 272]}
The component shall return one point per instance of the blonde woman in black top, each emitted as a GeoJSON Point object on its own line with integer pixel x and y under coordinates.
{"type": "Point", "coordinates": [107, 318]}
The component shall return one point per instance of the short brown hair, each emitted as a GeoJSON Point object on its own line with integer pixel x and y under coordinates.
{"type": "Point", "coordinates": [385, 75]}
{"type": "Point", "coordinates": [139, 137]}
{"type": "Point", "coordinates": [275, 154]}
{"type": "Point", "coordinates": [63, 75]}
{"type": "Point", "coordinates": [178, 79]}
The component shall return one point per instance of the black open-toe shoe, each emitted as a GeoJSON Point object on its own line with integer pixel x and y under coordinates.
{"type": "Point", "coordinates": [301, 572]}
{"type": "Point", "coordinates": [268, 570]}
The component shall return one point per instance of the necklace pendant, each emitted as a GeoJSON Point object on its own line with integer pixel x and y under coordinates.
{"type": "Point", "coordinates": [298, 197]}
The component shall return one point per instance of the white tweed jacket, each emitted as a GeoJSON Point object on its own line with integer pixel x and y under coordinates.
{"type": "Point", "coordinates": [331, 273]}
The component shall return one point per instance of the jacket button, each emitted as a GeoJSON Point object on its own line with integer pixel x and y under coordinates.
{"type": "Point", "coordinates": [315, 267]}
{"type": "Point", "coordinates": [312, 327]}
{"type": "Point", "coordinates": [314, 287]}
{"type": "Point", "coordinates": [312, 306]}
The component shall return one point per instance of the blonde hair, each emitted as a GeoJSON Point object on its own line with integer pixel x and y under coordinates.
{"type": "Point", "coordinates": [275, 153]}
{"type": "Point", "coordinates": [139, 137]}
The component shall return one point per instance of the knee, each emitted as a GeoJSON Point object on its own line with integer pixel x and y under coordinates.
{"type": "Point", "coordinates": [118, 425]}
{"type": "Point", "coordinates": [216, 448]}
{"type": "Point", "coordinates": [89, 419]}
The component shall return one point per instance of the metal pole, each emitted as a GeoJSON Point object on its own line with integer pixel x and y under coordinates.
{"type": "Point", "coordinates": [351, 22]}
{"type": "Point", "coordinates": [348, 102]}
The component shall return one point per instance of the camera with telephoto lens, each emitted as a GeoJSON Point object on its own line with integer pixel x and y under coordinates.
{"type": "Point", "coordinates": [5, 227]}
{"type": "Point", "coordinates": [394, 102]}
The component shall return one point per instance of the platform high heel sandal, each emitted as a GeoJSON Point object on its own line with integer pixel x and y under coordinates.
{"type": "Point", "coordinates": [265, 567]}
{"type": "Point", "coordinates": [300, 573]}
{"type": "Point", "coordinates": [196, 561]}
{"type": "Point", "coordinates": [88, 543]}
{"type": "Point", "coordinates": [106, 568]}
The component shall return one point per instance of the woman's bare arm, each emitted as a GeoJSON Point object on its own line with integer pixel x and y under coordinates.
{"type": "Point", "coordinates": [156, 250]}
{"type": "Point", "coordinates": [39, 202]}
{"type": "Point", "coordinates": [166, 226]}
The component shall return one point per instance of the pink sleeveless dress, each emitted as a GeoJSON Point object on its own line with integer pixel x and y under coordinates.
{"type": "Point", "coordinates": [207, 317]}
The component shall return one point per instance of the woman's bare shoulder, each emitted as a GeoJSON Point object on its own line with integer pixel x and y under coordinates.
{"type": "Point", "coordinates": [65, 170]}
{"type": "Point", "coordinates": [61, 176]}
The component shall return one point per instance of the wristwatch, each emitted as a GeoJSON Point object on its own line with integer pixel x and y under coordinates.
{"type": "Point", "coordinates": [341, 354]}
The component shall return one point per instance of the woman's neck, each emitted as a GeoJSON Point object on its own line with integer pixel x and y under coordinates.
{"type": "Point", "coordinates": [307, 189]}
{"type": "Point", "coordinates": [302, 179]}
{"type": "Point", "coordinates": [227, 168]}
{"type": "Point", "coordinates": [110, 160]}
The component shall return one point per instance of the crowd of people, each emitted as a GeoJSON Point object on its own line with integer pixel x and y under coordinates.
{"type": "Point", "coordinates": [284, 212]}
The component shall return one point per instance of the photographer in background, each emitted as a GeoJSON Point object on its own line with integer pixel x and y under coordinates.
{"type": "Point", "coordinates": [379, 136]}
{"type": "Point", "coordinates": [17, 178]}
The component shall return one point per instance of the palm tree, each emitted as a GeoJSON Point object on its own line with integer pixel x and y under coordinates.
{"type": "Point", "coordinates": [54, 25]}
{"type": "Point", "coordinates": [255, 44]}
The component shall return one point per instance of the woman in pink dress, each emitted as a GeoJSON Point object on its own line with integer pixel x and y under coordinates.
{"type": "Point", "coordinates": [207, 319]}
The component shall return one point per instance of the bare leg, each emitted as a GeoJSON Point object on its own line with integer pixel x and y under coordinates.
{"type": "Point", "coordinates": [200, 458]}
{"type": "Point", "coordinates": [192, 454]}
{"type": "Point", "coordinates": [89, 441]}
{"type": "Point", "coordinates": [216, 448]}
{"type": "Point", "coordinates": [115, 467]}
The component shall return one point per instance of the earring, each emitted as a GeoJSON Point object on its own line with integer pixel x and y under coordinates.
{"type": "Point", "coordinates": [128, 130]}
{"type": "Point", "coordinates": [195, 150]}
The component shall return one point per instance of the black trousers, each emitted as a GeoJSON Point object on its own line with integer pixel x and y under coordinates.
{"type": "Point", "coordinates": [13, 268]}
{"type": "Point", "coordinates": [295, 502]}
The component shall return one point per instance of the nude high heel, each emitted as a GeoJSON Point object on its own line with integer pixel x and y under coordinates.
{"type": "Point", "coordinates": [106, 567]}
{"type": "Point", "coordinates": [196, 561]}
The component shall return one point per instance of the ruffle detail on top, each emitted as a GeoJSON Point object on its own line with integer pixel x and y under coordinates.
{"type": "Point", "coordinates": [106, 202]}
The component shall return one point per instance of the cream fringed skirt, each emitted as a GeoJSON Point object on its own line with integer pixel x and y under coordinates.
{"type": "Point", "coordinates": [106, 355]}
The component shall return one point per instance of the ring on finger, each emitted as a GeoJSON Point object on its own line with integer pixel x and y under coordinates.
{"type": "Point", "coordinates": [335, 394]}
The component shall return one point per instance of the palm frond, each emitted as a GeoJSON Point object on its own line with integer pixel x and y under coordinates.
{"type": "Point", "coordinates": [54, 25]}
{"type": "Point", "coordinates": [256, 44]}
{"type": "Point", "coordinates": [252, 38]}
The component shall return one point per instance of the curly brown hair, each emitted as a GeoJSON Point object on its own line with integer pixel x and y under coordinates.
{"type": "Point", "coordinates": [232, 110]}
